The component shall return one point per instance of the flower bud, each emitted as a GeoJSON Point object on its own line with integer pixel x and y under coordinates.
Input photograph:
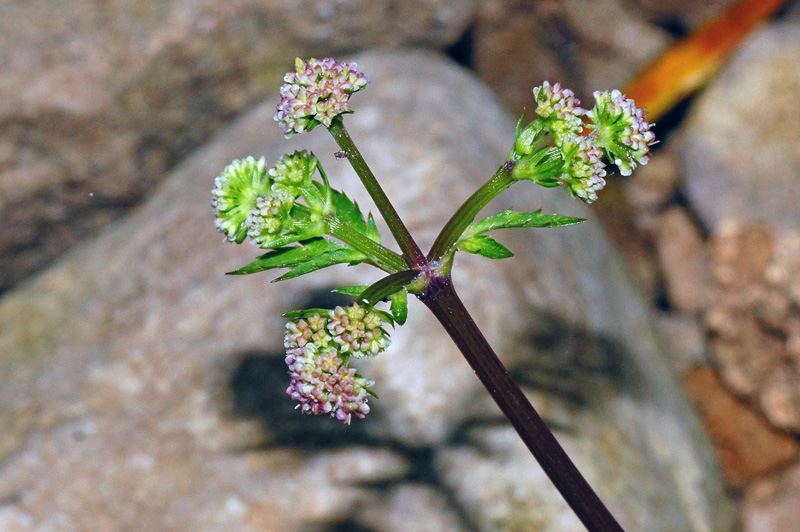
{"type": "Point", "coordinates": [293, 172]}
{"type": "Point", "coordinates": [268, 218]}
{"type": "Point", "coordinates": [583, 169]}
{"type": "Point", "coordinates": [358, 330]}
{"type": "Point", "coordinates": [560, 110]}
{"type": "Point", "coordinates": [323, 384]}
{"type": "Point", "coordinates": [621, 130]}
{"type": "Point", "coordinates": [235, 194]}
{"type": "Point", "coordinates": [316, 93]}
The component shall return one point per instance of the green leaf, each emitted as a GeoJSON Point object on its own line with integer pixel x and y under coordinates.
{"type": "Point", "coordinates": [349, 212]}
{"type": "Point", "coordinates": [509, 218]}
{"type": "Point", "coordinates": [485, 246]}
{"type": "Point", "coordinates": [354, 290]}
{"type": "Point", "coordinates": [340, 256]}
{"type": "Point", "coordinates": [399, 306]}
{"type": "Point", "coordinates": [306, 313]}
{"type": "Point", "coordinates": [372, 229]}
{"type": "Point", "coordinates": [310, 255]}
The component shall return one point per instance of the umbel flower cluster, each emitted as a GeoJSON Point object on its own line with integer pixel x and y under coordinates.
{"type": "Point", "coordinates": [317, 352]}
{"type": "Point", "coordinates": [616, 126]}
{"type": "Point", "coordinates": [251, 201]}
{"type": "Point", "coordinates": [306, 225]}
{"type": "Point", "coordinates": [316, 93]}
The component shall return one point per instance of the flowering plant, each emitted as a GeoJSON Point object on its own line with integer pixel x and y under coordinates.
{"type": "Point", "coordinates": [305, 225]}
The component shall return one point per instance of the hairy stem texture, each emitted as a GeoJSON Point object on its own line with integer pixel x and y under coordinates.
{"type": "Point", "coordinates": [440, 297]}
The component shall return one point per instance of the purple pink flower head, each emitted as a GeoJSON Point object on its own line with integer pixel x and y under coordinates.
{"type": "Point", "coordinates": [315, 93]}
{"type": "Point", "coordinates": [318, 348]}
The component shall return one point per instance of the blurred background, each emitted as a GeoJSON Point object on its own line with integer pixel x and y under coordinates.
{"type": "Point", "coordinates": [139, 390]}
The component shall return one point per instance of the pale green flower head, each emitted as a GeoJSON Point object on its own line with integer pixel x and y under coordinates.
{"type": "Point", "coordinates": [293, 172]}
{"type": "Point", "coordinates": [621, 130]}
{"type": "Point", "coordinates": [236, 191]}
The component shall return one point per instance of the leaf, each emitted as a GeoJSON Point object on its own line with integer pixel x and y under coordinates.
{"type": "Point", "coordinates": [372, 229]}
{"type": "Point", "coordinates": [399, 306]}
{"type": "Point", "coordinates": [349, 212]}
{"type": "Point", "coordinates": [509, 218]}
{"type": "Point", "coordinates": [309, 256]}
{"type": "Point", "coordinates": [305, 313]}
{"type": "Point", "coordinates": [354, 290]}
{"type": "Point", "coordinates": [340, 256]}
{"type": "Point", "coordinates": [485, 246]}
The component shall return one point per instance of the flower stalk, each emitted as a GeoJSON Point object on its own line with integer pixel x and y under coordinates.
{"type": "Point", "coordinates": [413, 255]}
{"type": "Point", "coordinates": [441, 298]}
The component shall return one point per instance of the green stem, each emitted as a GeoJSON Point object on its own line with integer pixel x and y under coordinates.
{"type": "Point", "coordinates": [463, 217]}
{"type": "Point", "coordinates": [441, 298]}
{"type": "Point", "coordinates": [383, 288]}
{"type": "Point", "coordinates": [413, 255]}
{"type": "Point", "coordinates": [382, 257]}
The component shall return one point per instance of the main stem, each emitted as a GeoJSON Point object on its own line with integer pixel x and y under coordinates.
{"type": "Point", "coordinates": [413, 255]}
{"type": "Point", "coordinates": [441, 298]}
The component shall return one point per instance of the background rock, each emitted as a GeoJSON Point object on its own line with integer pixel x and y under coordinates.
{"type": "Point", "coordinates": [770, 505]}
{"type": "Point", "coordinates": [148, 390]}
{"type": "Point", "coordinates": [739, 146]}
{"type": "Point", "coordinates": [99, 99]}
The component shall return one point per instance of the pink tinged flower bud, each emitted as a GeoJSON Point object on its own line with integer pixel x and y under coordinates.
{"type": "Point", "coordinates": [584, 169]}
{"type": "Point", "coordinates": [560, 109]}
{"type": "Point", "coordinates": [235, 195]}
{"type": "Point", "coordinates": [621, 130]}
{"type": "Point", "coordinates": [322, 384]}
{"type": "Point", "coordinates": [358, 330]}
{"type": "Point", "coordinates": [316, 93]}
{"type": "Point", "coordinates": [267, 219]}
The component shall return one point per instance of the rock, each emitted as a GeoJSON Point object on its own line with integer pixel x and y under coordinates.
{"type": "Point", "coordinates": [148, 391]}
{"type": "Point", "coordinates": [98, 101]}
{"type": "Point", "coordinates": [683, 260]}
{"type": "Point", "coordinates": [753, 317]}
{"type": "Point", "coordinates": [739, 145]}
{"type": "Point", "coordinates": [748, 447]}
{"type": "Point", "coordinates": [652, 186]}
{"type": "Point", "coordinates": [770, 505]}
{"type": "Point", "coordinates": [587, 46]}
{"type": "Point", "coordinates": [684, 339]}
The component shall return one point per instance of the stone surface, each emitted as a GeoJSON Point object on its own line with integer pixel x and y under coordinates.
{"type": "Point", "coordinates": [99, 99]}
{"type": "Point", "coordinates": [684, 339]}
{"type": "Point", "coordinates": [739, 146]}
{"type": "Point", "coordinates": [586, 46]}
{"type": "Point", "coordinates": [770, 505]}
{"type": "Point", "coordinates": [147, 392]}
{"type": "Point", "coordinates": [748, 447]}
{"type": "Point", "coordinates": [753, 317]}
{"type": "Point", "coordinates": [682, 257]}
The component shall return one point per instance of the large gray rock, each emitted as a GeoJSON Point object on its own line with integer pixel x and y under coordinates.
{"type": "Point", "coordinates": [99, 99]}
{"type": "Point", "coordinates": [141, 389]}
{"type": "Point", "coordinates": [740, 148]}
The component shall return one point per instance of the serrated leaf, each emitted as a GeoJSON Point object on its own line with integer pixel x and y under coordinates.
{"type": "Point", "coordinates": [309, 256]}
{"type": "Point", "coordinates": [372, 229]}
{"type": "Point", "coordinates": [399, 306]}
{"type": "Point", "coordinates": [349, 212]}
{"type": "Point", "coordinates": [339, 256]}
{"type": "Point", "coordinates": [509, 219]}
{"type": "Point", "coordinates": [286, 257]}
{"type": "Point", "coordinates": [485, 246]}
{"type": "Point", "coordinates": [354, 290]}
